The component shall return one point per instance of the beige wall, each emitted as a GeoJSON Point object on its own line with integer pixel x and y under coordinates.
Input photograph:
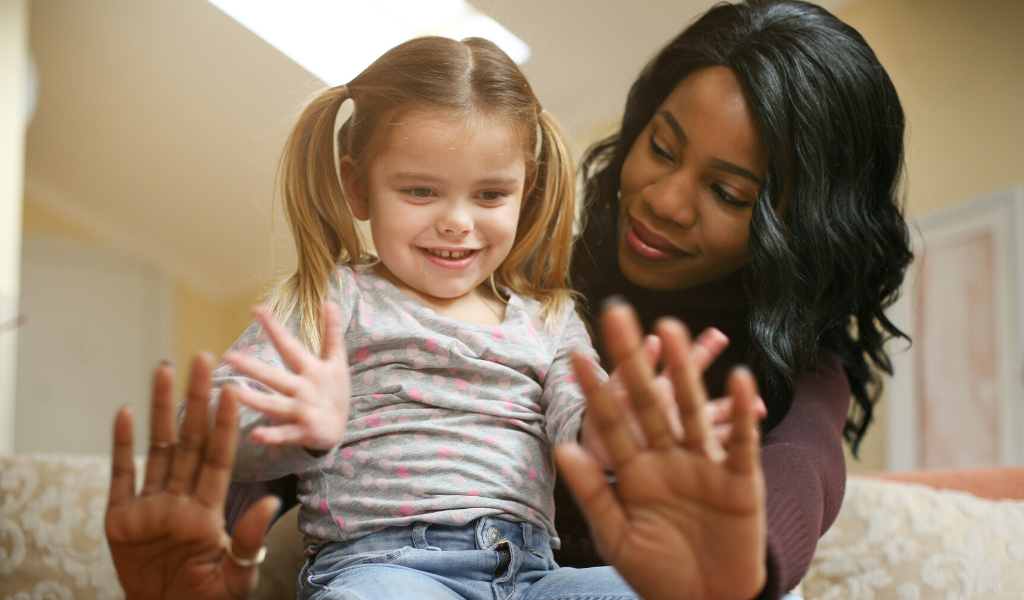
{"type": "Point", "coordinates": [959, 68]}
{"type": "Point", "coordinates": [199, 322]}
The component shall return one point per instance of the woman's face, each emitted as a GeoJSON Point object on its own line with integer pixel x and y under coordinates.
{"type": "Point", "coordinates": [689, 184]}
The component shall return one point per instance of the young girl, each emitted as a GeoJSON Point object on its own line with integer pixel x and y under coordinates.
{"type": "Point", "coordinates": [423, 431]}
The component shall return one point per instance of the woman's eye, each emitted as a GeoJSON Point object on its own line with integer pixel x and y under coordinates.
{"type": "Point", "coordinates": [657, 149]}
{"type": "Point", "coordinates": [729, 198]}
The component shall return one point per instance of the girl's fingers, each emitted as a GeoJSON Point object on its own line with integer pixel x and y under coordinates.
{"type": "Point", "coordinates": [192, 436]}
{"type": "Point", "coordinates": [719, 410]}
{"type": "Point", "coordinates": [708, 346]}
{"type": "Point", "coordinates": [276, 435]}
{"type": "Point", "coordinates": [295, 355]}
{"type": "Point", "coordinates": [219, 457]}
{"type": "Point", "coordinates": [690, 394]}
{"type": "Point", "coordinates": [652, 349]}
{"type": "Point", "coordinates": [594, 496]}
{"type": "Point", "coordinates": [609, 419]}
{"type": "Point", "coordinates": [743, 446]}
{"type": "Point", "coordinates": [161, 431]}
{"type": "Point", "coordinates": [334, 346]}
{"type": "Point", "coordinates": [122, 465]}
{"type": "Point", "coordinates": [272, 405]}
{"type": "Point", "coordinates": [622, 338]}
{"type": "Point", "coordinates": [275, 378]}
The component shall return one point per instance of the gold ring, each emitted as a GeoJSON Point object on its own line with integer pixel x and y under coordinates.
{"type": "Point", "coordinates": [245, 563]}
{"type": "Point", "coordinates": [154, 445]}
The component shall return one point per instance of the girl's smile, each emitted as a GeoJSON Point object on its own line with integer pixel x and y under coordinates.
{"type": "Point", "coordinates": [443, 199]}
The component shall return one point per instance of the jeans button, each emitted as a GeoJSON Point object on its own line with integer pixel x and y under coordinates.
{"type": "Point", "coordinates": [493, 535]}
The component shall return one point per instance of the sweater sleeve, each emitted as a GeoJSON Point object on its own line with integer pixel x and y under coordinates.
{"type": "Point", "coordinates": [804, 473]}
{"type": "Point", "coordinates": [562, 400]}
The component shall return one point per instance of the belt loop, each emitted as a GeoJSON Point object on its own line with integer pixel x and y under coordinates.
{"type": "Point", "coordinates": [419, 535]}
{"type": "Point", "coordinates": [527, 536]}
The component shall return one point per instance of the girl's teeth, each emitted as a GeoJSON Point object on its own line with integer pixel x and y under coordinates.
{"type": "Point", "coordinates": [448, 254]}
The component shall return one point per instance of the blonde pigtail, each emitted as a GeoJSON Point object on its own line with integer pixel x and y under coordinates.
{"type": "Point", "coordinates": [320, 218]}
{"type": "Point", "coordinates": [539, 260]}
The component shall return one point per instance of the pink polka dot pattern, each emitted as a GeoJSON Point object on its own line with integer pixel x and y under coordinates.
{"type": "Point", "coordinates": [449, 421]}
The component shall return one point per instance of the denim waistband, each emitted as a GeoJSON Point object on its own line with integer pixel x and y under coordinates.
{"type": "Point", "coordinates": [481, 534]}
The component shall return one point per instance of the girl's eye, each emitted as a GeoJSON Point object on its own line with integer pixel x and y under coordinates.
{"type": "Point", "coordinates": [657, 149]}
{"type": "Point", "coordinates": [492, 196]}
{"type": "Point", "coordinates": [728, 198]}
{"type": "Point", "coordinates": [419, 192]}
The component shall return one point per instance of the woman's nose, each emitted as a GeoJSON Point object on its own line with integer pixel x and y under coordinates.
{"type": "Point", "coordinates": [674, 198]}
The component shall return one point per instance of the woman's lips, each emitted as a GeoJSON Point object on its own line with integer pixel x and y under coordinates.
{"type": "Point", "coordinates": [649, 245]}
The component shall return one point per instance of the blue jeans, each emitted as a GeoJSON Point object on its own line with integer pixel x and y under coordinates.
{"type": "Point", "coordinates": [487, 559]}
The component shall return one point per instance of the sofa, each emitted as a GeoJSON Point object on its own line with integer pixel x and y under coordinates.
{"type": "Point", "coordinates": [898, 536]}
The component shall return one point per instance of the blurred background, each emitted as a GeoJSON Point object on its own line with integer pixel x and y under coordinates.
{"type": "Point", "coordinates": [138, 220]}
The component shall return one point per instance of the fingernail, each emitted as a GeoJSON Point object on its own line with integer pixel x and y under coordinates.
{"type": "Point", "coordinates": [613, 300]}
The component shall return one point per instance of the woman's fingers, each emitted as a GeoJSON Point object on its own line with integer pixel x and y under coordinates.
{"type": "Point", "coordinates": [594, 496]}
{"type": "Point", "coordinates": [688, 384]}
{"type": "Point", "coordinates": [608, 417]}
{"type": "Point", "coordinates": [742, 449]}
{"type": "Point", "coordinates": [122, 466]}
{"type": "Point", "coordinates": [219, 455]}
{"type": "Point", "coordinates": [247, 545]}
{"type": "Point", "coordinates": [622, 337]}
{"type": "Point", "coordinates": [161, 431]}
{"type": "Point", "coordinates": [295, 355]}
{"type": "Point", "coordinates": [192, 436]}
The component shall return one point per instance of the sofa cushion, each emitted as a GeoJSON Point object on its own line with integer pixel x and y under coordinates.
{"type": "Point", "coordinates": [52, 542]}
{"type": "Point", "coordinates": [905, 541]}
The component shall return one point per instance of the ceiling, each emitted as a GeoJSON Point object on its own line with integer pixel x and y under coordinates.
{"type": "Point", "coordinates": [159, 122]}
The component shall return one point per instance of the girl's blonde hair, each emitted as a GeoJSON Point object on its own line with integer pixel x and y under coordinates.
{"type": "Point", "coordinates": [456, 79]}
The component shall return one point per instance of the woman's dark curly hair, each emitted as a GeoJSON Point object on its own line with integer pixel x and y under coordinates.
{"type": "Point", "coordinates": [828, 242]}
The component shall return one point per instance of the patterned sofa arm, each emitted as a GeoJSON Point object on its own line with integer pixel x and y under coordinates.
{"type": "Point", "coordinates": [52, 543]}
{"type": "Point", "coordinates": [899, 538]}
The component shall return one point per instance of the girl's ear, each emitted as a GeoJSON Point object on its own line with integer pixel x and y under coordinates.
{"type": "Point", "coordinates": [354, 188]}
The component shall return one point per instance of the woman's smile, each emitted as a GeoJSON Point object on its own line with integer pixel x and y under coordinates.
{"type": "Point", "coordinates": [651, 246]}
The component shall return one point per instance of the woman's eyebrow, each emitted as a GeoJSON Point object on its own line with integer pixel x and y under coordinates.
{"type": "Point", "coordinates": [718, 164]}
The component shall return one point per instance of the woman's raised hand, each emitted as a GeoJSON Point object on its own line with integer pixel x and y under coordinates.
{"type": "Point", "coordinates": [687, 519]}
{"type": "Point", "coordinates": [311, 406]}
{"type": "Point", "coordinates": [168, 542]}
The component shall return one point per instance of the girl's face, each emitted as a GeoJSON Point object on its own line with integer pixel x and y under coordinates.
{"type": "Point", "coordinates": [689, 184]}
{"type": "Point", "coordinates": [443, 200]}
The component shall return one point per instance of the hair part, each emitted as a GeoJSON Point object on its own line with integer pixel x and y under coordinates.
{"type": "Point", "coordinates": [828, 244]}
{"type": "Point", "coordinates": [471, 78]}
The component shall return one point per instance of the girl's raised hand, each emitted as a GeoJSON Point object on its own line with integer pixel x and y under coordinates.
{"type": "Point", "coordinates": [311, 406]}
{"type": "Point", "coordinates": [688, 517]}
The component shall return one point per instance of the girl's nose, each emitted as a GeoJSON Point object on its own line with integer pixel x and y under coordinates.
{"type": "Point", "coordinates": [455, 221]}
{"type": "Point", "coordinates": [674, 198]}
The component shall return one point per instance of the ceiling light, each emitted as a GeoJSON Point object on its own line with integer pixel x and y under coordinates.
{"type": "Point", "coordinates": [336, 39]}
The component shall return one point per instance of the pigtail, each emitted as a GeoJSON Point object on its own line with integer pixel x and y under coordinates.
{"type": "Point", "coordinates": [538, 264]}
{"type": "Point", "coordinates": [319, 216]}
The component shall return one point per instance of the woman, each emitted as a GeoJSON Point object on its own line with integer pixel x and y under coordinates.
{"type": "Point", "coordinates": [758, 163]}
{"type": "Point", "coordinates": [753, 187]}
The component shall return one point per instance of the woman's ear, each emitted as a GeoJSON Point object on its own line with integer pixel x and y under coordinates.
{"type": "Point", "coordinates": [354, 188]}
